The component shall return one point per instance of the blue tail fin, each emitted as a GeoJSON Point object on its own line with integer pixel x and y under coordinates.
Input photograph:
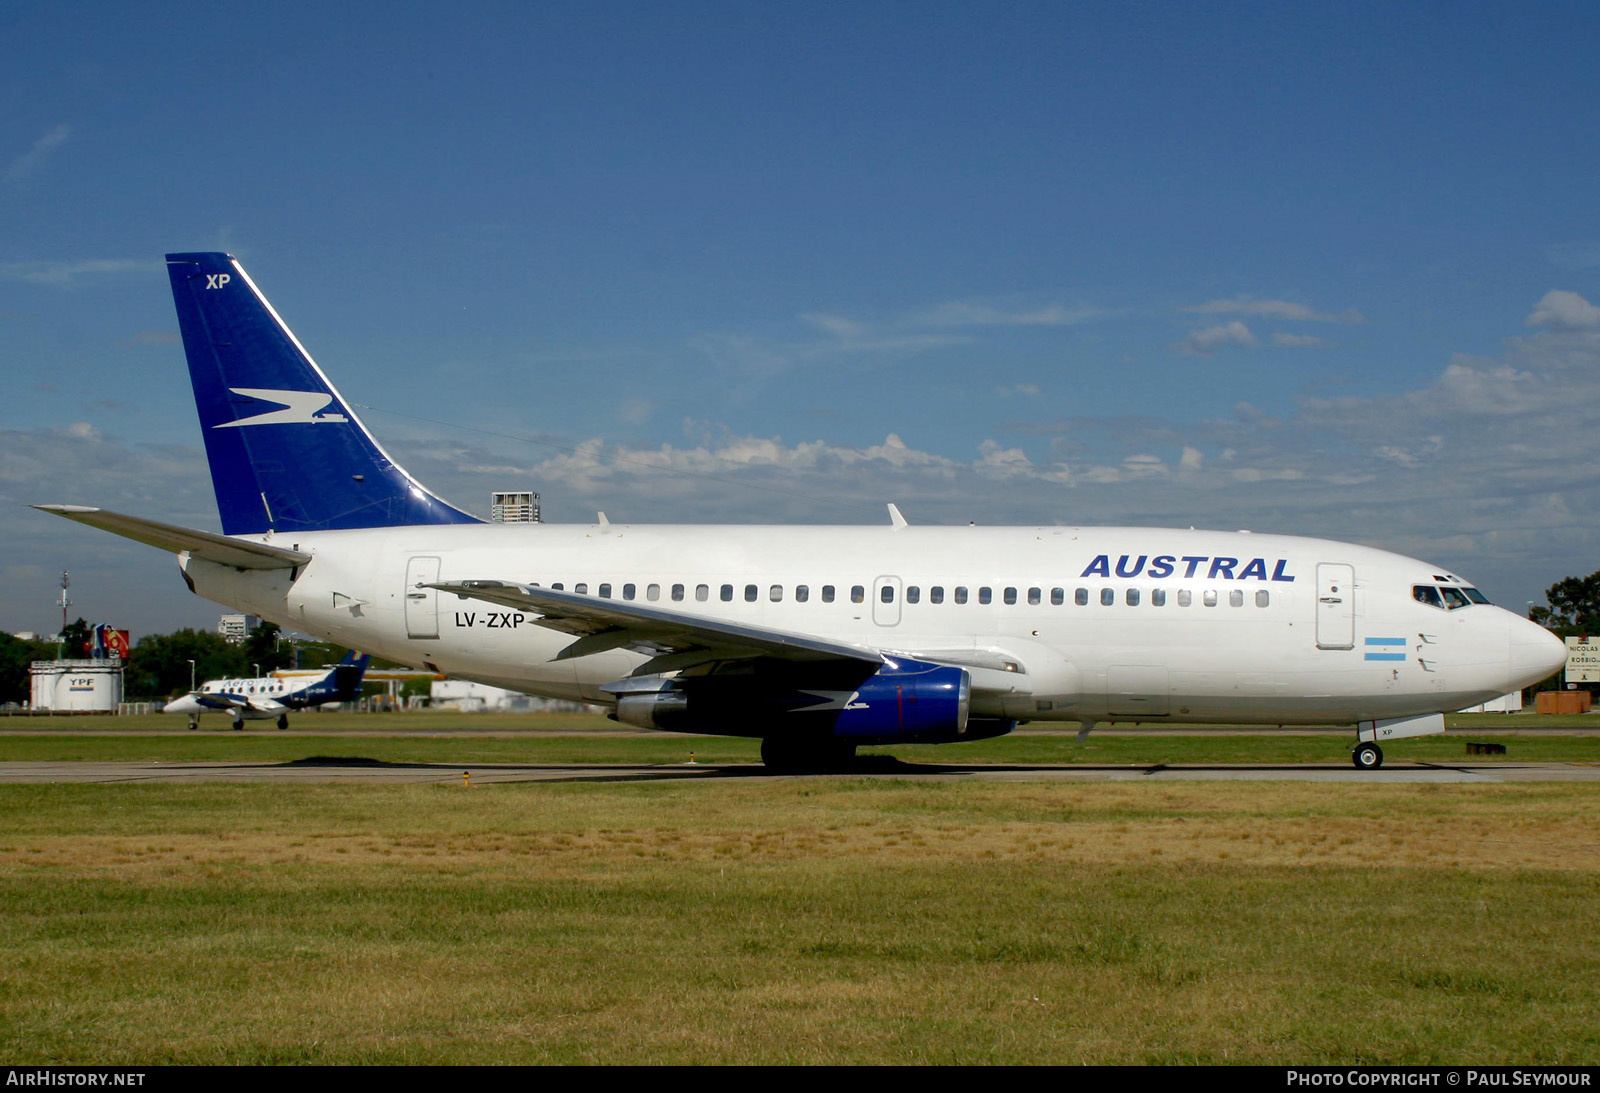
{"type": "Point", "coordinates": [343, 681]}
{"type": "Point", "coordinates": [286, 451]}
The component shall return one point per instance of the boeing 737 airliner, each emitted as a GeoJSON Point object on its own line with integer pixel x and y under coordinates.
{"type": "Point", "coordinates": [815, 639]}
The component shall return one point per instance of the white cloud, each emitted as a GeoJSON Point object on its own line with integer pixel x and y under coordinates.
{"type": "Point", "coordinates": [33, 160]}
{"type": "Point", "coordinates": [1299, 341]}
{"type": "Point", "coordinates": [635, 411]}
{"type": "Point", "coordinates": [65, 273]}
{"type": "Point", "coordinates": [837, 336]}
{"type": "Point", "coordinates": [1564, 309]}
{"type": "Point", "coordinates": [1206, 342]}
{"type": "Point", "coordinates": [1276, 309]}
{"type": "Point", "coordinates": [968, 313]}
{"type": "Point", "coordinates": [1581, 254]}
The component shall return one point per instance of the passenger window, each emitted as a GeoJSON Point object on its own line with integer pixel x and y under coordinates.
{"type": "Point", "coordinates": [1081, 597]}
{"type": "Point", "coordinates": [802, 593]}
{"type": "Point", "coordinates": [858, 594]}
{"type": "Point", "coordinates": [913, 593]}
{"type": "Point", "coordinates": [652, 592]}
{"type": "Point", "coordinates": [605, 591]}
{"type": "Point", "coordinates": [1263, 597]}
{"type": "Point", "coordinates": [775, 593]}
{"type": "Point", "coordinates": [1185, 597]}
{"type": "Point", "coordinates": [726, 592]}
{"type": "Point", "coordinates": [582, 588]}
{"type": "Point", "coordinates": [1108, 596]}
{"type": "Point", "coordinates": [936, 594]}
{"type": "Point", "coordinates": [702, 592]}
{"type": "Point", "coordinates": [1010, 595]}
{"type": "Point", "coordinates": [961, 593]}
{"type": "Point", "coordinates": [677, 593]}
{"type": "Point", "coordinates": [1209, 597]}
{"type": "Point", "coordinates": [1035, 597]}
{"type": "Point", "coordinates": [750, 593]}
{"type": "Point", "coordinates": [558, 586]}
{"type": "Point", "coordinates": [1426, 593]}
{"type": "Point", "coordinates": [1158, 597]}
{"type": "Point", "coordinates": [1133, 597]}
{"type": "Point", "coordinates": [985, 594]}
{"type": "Point", "coordinates": [628, 591]}
{"type": "Point", "coordinates": [827, 593]}
{"type": "Point", "coordinates": [886, 593]}
{"type": "Point", "coordinates": [1236, 598]}
{"type": "Point", "coordinates": [1058, 596]}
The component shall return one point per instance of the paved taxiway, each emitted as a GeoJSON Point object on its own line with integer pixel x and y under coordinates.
{"type": "Point", "coordinates": [374, 772]}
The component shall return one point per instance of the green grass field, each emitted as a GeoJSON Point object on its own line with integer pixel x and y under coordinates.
{"type": "Point", "coordinates": [581, 738]}
{"type": "Point", "coordinates": [836, 919]}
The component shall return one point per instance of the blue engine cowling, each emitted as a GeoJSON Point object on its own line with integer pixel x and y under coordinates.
{"type": "Point", "coordinates": [904, 701]}
{"type": "Point", "coordinates": [907, 700]}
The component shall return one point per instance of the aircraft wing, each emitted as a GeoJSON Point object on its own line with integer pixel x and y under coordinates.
{"type": "Point", "coordinates": [219, 700]}
{"type": "Point", "coordinates": [239, 553]}
{"type": "Point", "coordinates": [223, 700]}
{"type": "Point", "coordinates": [672, 639]}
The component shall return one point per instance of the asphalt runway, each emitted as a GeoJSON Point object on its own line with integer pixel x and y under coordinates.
{"type": "Point", "coordinates": [376, 772]}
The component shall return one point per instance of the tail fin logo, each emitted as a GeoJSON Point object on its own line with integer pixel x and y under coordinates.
{"type": "Point", "coordinates": [299, 408]}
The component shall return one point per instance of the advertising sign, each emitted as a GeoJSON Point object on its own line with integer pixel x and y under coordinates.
{"type": "Point", "coordinates": [1583, 660]}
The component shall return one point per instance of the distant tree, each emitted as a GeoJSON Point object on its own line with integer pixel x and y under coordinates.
{"type": "Point", "coordinates": [1574, 609]}
{"type": "Point", "coordinates": [159, 664]}
{"type": "Point", "coordinates": [262, 647]}
{"type": "Point", "coordinates": [75, 638]}
{"type": "Point", "coordinates": [15, 656]}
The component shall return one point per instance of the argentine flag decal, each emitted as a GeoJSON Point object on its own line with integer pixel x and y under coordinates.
{"type": "Point", "coordinates": [1387, 648]}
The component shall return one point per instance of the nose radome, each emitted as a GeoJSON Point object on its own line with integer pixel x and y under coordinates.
{"type": "Point", "coordinates": [1535, 651]}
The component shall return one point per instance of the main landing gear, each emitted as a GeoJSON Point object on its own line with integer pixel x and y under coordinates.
{"type": "Point", "coordinates": [238, 724]}
{"type": "Point", "coordinates": [1367, 756]}
{"type": "Point", "coordinates": [283, 721]}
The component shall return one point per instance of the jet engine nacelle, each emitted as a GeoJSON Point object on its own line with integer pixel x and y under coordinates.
{"type": "Point", "coordinates": [904, 701]}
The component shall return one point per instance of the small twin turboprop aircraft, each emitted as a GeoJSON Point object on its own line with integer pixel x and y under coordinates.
{"type": "Point", "coordinates": [815, 639]}
{"type": "Point", "coordinates": [273, 696]}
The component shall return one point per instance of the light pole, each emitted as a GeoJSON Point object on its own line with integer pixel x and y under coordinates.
{"type": "Point", "coordinates": [191, 675]}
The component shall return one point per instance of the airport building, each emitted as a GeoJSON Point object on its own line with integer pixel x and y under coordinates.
{"type": "Point", "coordinates": [236, 628]}
{"type": "Point", "coordinates": [514, 507]}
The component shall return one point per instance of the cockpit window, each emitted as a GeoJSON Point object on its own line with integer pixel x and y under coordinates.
{"type": "Point", "coordinates": [1475, 596]}
{"type": "Point", "coordinates": [1453, 598]}
{"type": "Point", "coordinates": [1426, 593]}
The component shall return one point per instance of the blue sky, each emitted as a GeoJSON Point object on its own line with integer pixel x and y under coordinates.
{"type": "Point", "coordinates": [1319, 269]}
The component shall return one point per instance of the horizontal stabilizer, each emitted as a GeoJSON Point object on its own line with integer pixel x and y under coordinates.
{"type": "Point", "coordinates": [239, 553]}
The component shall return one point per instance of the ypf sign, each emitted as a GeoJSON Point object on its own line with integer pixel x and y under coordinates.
{"type": "Point", "coordinates": [1583, 660]}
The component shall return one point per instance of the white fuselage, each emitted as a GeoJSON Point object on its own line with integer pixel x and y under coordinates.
{"type": "Point", "coordinates": [271, 695]}
{"type": "Point", "coordinates": [1103, 624]}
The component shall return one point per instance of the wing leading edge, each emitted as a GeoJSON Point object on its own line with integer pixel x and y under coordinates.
{"type": "Point", "coordinates": [673, 640]}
